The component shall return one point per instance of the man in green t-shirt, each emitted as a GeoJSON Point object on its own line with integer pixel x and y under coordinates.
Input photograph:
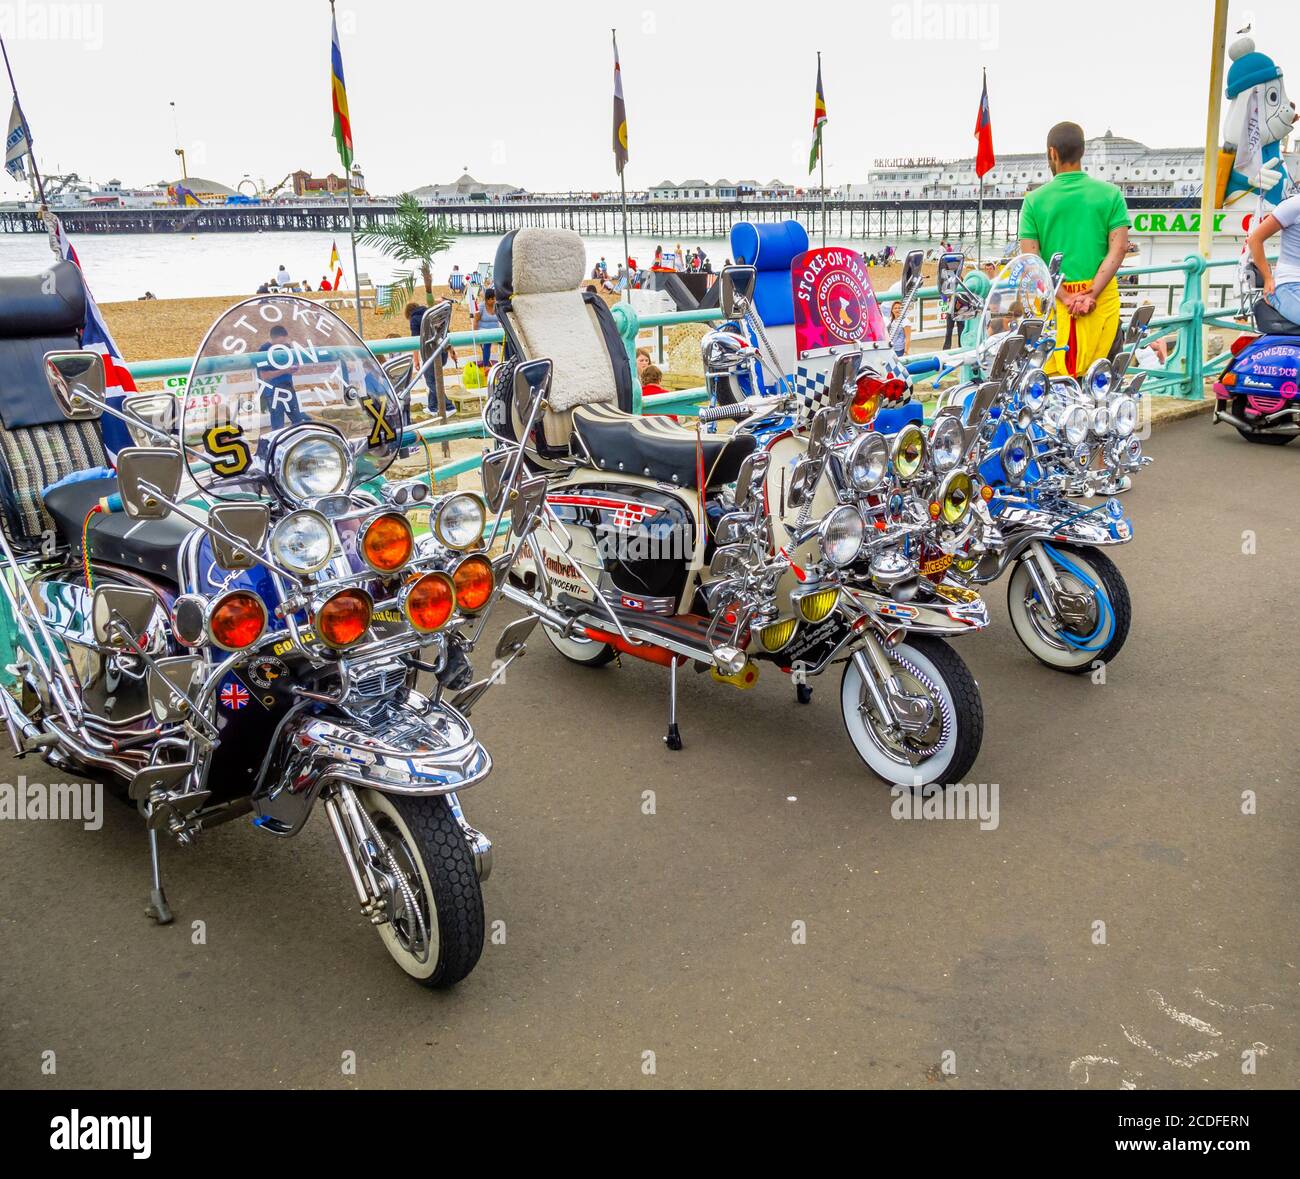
{"type": "Point", "coordinates": [1087, 222]}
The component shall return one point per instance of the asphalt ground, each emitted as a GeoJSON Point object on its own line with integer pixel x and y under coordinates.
{"type": "Point", "coordinates": [1125, 924]}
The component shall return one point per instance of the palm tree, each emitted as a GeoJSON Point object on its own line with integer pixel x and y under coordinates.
{"type": "Point", "coordinates": [412, 237]}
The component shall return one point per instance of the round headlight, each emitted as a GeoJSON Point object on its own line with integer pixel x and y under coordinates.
{"type": "Point", "coordinates": [1126, 416]}
{"type": "Point", "coordinates": [909, 451]}
{"type": "Point", "coordinates": [302, 542]}
{"type": "Point", "coordinates": [459, 520]}
{"type": "Point", "coordinates": [1074, 425]}
{"type": "Point", "coordinates": [954, 497]}
{"type": "Point", "coordinates": [314, 465]}
{"type": "Point", "coordinates": [1016, 454]}
{"type": "Point", "coordinates": [1097, 380]}
{"type": "Point", "coordinates": [841, 535]}
{"type": "Point", "coordinates": [946, 443]}
{"type": "Point", "coordinates": [1034, 387]}
{"type": "Point", "coordinates": [1101, 421]}
{"type": "Point", "coordinates": [867, 462]}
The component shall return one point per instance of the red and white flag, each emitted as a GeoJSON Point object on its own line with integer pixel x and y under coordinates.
{"type": "Point", "coordinates": [95, 337]}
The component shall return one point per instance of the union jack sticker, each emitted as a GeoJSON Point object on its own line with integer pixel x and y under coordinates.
{"type": "Point", "coordinates": [234, 696]}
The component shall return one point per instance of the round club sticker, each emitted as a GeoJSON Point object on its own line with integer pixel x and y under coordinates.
{"type": "Point", "coordinates": [840, 303]}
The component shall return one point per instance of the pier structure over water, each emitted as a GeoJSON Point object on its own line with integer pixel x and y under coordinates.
{"type": "Point", "coordinates": [930, 219]}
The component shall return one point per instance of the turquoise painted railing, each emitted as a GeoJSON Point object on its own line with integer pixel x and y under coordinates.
{"type": "Point", "coordinates": [1184, 376]}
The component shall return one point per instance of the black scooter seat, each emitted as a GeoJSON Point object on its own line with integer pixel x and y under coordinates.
{"type": "Point", "coordinates": [657, 448]}
{"type": "Point", "coordinates": [1272, 322]}
{"type": "Point", "coordinates": [148, 546]}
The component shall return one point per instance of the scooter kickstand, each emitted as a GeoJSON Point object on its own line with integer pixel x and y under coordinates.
{"type": "Point", "coordinates": [674, 738]}
{"type": "Point", "coordinates": [158, 908]}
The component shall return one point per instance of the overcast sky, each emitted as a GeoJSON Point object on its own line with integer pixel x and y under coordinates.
{"type": "Point", "coordinates": [521, 92]}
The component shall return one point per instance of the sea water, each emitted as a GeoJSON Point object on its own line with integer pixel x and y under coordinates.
{"type": "Point", "coordinates": [122, 266]}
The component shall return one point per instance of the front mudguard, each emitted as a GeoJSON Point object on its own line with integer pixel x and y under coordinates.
{"type": "Point", "coordinates": [1021, 522]}
{"type": "Point", "coordinates": [940, 610]}
{"type": "Point", "coordinates": [409, 745]}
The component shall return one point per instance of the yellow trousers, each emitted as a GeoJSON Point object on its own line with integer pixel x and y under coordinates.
{"type": "Point", "coordinates": [1087, 338]}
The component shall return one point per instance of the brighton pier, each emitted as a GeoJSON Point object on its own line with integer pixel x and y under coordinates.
{"type": "Point", "coordinates": [928, 219]}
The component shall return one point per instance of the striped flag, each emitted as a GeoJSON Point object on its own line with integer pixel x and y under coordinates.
{"type": "Point", "coordinates": [620, 117]}
{"type": "Point", "coordinates": [342, 125]}
{"type": "Point", "coordinates": [95, 337]}
{"type": "Point", "coordinates": [819, 119]}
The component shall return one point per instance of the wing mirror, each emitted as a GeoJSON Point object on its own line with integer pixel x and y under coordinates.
{"type": "Point", "coordinates": [822, 432]}
{"type": "Point", "coordinates": [77, 381]}
{"type": "Point", "coordinates": [1054, 267]}
{"type": "Point", "coordinates": [514, 636]}
{"type": "Point", "coordinates": [247, 523]}
{"type": "Point", "coordinates": [1137, 324]}
{"type": "Point", "coordinates": [532, 381]}
{"type": "Point", "coordinates": [949, 276]}
{"type": "Point", "coordinates": [435, 327]}
{"type": "Point", "coordinates": [155, 415]}
{"type": "Point", "coordinates": [1031, 328]}
{"type": "Point", "coordinates": [159, 467]}
{"type": "Point", "coordinates": [911, 271]}
{"type": "Point", "coordinates": [399, 371]}
{"type": "Point", "coordinates": [980, 405]}
{"type": "Point", "coordinates": [753, 470]}
{"type": "Point", "coordinates": [1008, 356]}
{"type": "Point", "coordinates": [843, 377]}
{"type": "Point", "coordinates": [528, 503]}
{"type": "Point", "coordinates": [737, 293]}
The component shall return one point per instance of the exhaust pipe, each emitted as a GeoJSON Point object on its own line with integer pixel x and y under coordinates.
{"type": "Point", "coordinates": [1262, 425]}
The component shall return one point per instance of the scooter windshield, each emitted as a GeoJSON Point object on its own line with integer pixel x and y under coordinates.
{"type": "Point", "coordinates": [1023, 289]}
{"type": "Point", "coordinates": [277, 361]}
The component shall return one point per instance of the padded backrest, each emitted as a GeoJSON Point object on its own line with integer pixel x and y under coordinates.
{"type": "Point", "coordinates": [33, 457]}
{"type": "Point", "coordinates": [537, 275]}
{"type": "Point", "coordinates": [770, 249]}
{"type": "Point", "coordinates": [39, 313]}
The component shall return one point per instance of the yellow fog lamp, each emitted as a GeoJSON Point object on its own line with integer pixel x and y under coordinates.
{"type": "Point", "coordinates": [776, 635]}
{"type": "Point", "coordinates": [817, 604]}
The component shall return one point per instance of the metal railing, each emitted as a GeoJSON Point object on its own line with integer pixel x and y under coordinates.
{"type": "Point", "coordinates": [1183, 376]}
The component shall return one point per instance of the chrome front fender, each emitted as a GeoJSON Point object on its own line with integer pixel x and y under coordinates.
{"type": "Point", "coordinates": [410, 745]}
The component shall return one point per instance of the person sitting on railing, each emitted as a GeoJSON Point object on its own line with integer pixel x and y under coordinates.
{"type": "Point", "coordinates": [1281, 286]}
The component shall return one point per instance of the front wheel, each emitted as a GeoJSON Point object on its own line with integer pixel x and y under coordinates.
{"type": "Point", "coordinates": [946, 747]}
{"type": "Point", "coordinates": [434, 929]}
{"type": "Point", "coordinates": [1102, 619]}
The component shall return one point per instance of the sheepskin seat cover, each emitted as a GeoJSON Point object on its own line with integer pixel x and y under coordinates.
{"type": "Point", "coordinates": [551, 319]}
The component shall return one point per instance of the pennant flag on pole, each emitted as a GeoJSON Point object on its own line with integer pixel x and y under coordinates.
{"type": "Point", "coordinates": [18, 142]}
{"type": "Point", "coordinates": [984, 159]}
{"type": "Point", "coordinates": [335, 264]}
{"type": "Point", "coordinates": [620, 117]}
{"type": "Point", "coordinates": [819, 119]}
{"type": "Point", "coordinates": [342, 125]}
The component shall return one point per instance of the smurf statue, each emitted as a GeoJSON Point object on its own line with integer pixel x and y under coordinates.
{"type": "Point", "coordinates": [1251, 72]}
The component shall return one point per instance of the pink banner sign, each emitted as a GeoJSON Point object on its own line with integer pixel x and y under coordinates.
{"type": "Point", "coordinates": [834, 302]}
